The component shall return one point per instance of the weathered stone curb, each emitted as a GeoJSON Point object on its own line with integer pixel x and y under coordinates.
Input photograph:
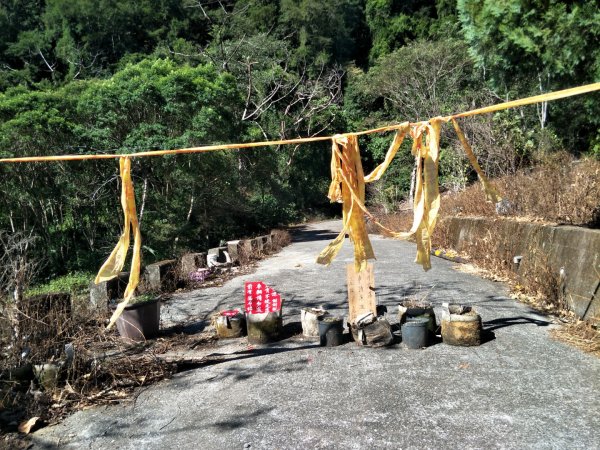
{"type": "Point", "coordinates": [164, 275]}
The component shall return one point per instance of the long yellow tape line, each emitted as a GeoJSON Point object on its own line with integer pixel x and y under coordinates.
{"type": "Point", "coordinates": [210, 148]}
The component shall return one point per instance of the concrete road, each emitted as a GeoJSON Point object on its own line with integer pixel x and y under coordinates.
{"type": "Point", "coordinates": [519, 390]}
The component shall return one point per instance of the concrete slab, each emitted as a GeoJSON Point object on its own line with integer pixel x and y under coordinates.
{"type": "Point", "coordinates": [190, 262]}
{"type": "Point", "coordinates": [160, 276]}
{"type": "Point", "coordinates": [102, 293]}
{"type": "Point", "coordinates": [518, 390]}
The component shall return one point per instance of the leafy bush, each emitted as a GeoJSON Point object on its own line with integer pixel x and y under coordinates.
{"type": "Point", "coordinates": [75, 283]}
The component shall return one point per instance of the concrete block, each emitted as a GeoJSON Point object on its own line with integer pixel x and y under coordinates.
{"type": "Point", "coordinates": [235, 250]}
{"type": "Point", "coordinates": [257, 246]}
{"type": "Point", "coordinates": [190, 262]}
{"type": "Point", "coordinates": [220, 252]}
{"type": "Point", "coordinates": [267, 242]}
{"type": "Point", "coordinates": [102, 293]}
{"type": "Point", "coordinates": [161, 275]}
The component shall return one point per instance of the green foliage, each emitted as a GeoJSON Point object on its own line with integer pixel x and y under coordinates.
{"type": "Point", "coordinates": [144, 298]}
{"type": "Point", "coordinates": [395, 23]}
{"type": "Point", "coordinates": [407, 85]}
{"type": "Point", "coordinates": [65, 39]}
{"type": "Point", "coordinates": [537, 46]}
{"type": "Point", "coordinates": [75, 283]}
{"type": "Point", "coordinates": [321, 30]}
{"type": "Point", "coordinates": [537, 40]}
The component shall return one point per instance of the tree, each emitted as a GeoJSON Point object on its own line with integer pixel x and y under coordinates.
{"type": "Point", "coordinates": [538, 46]}
{"type": "Point", "coordinates": [395, 23]}
{"type": "Point", "coordinates": [321, 31]}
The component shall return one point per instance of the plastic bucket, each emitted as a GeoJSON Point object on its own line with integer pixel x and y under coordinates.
{"type": "Point", "coordinates": [415, 333]}
{"type": "Point", "coordinates": [415, 310]}
{"type": "Point", "coordinates": [331, 331]}
{"type": "Point", "coordinates": [140, 321]}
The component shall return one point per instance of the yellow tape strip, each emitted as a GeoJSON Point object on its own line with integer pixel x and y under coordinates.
{"type": "Point", "coordinates": [491, 194]}
{"type": "Point", "coordinates": [115, 262]}
{"type": "Point", "coordinates": [348, 185]}
{"type": "Point", "coordinates": [210, 148]}
{"type": "Point", "coordinates": [530, 100]}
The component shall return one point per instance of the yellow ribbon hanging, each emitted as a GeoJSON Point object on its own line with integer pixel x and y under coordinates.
{"type": "Point", "coordinates": [115, 262]}
{"type": "Point", "coordinates": [348, 187]}
{"type": "Point", "coordinates": [491, 194]}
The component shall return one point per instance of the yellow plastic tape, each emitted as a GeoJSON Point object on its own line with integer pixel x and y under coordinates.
{"type": "Point", "coordinates": [491, 194]}
{"type": "Point", "coordinates": [530, 100]}
{"type": "Point", "coordinates": [115, 262]}
{"type": "Point", "coordinates": [348, 186]}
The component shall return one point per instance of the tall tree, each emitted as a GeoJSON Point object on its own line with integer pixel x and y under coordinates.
{"type": "Point", "coordinates": [536, 46]}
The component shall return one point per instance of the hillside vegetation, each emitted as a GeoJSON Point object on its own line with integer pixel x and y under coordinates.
{"type": "Point", "coordinates": [83, 77]}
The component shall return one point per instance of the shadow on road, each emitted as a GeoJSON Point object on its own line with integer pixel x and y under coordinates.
{"type": "Point", "coordinates": [503, 322]}
{"type": "Point", "coordinates": [305, 234]}
{"type": "Point", "coordinates": [218, 358]}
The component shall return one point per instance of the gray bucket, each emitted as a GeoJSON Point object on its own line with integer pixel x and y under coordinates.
{"type": "Point", "coordinates": [331, 331]}
{"type": "Point", "coordinates": [415, 333]}
{"type": "Point", "coordinates": [411, 309]}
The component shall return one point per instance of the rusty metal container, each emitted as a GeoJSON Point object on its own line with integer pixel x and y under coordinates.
{"type": "Point", "coordinates": [230, 324]}
{"type": "Point", "coordinates": [461, 325]}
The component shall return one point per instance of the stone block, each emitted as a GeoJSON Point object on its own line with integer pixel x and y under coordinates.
{"type": "Point", "coordinates": [257, 246]}
{"type": "Point", "coordinates": [267, 242]}
{"type": "Point", "coordinates": [190, 262]}
{"type": "Point", "coordinates": [102, 293]}
{"type": "Point", "coordinates": [235, 250]}
{"type": "Point", "coordinates": [220, 252]}
{"type": "Point", "coordinates": [160, 276]}
{"type": "Point", "coordinates": [240, 251]}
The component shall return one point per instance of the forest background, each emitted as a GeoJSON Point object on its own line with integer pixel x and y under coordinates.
{"type": "Point", "coordinates": [105, 76]}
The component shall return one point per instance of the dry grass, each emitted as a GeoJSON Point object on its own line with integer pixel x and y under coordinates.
{"type": "Point", "coordinates": [561, 190]}
{"type": "Point", "coordinates": [580, 334]}
{"type": "Point", "coordinates": [398, 221]}
{"type": "Point", "coordinates": [104, 369]}
{"type": "Point", "coordinates": [101, 368]}
{"type": "Point", "coordinates": [280, 239]}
